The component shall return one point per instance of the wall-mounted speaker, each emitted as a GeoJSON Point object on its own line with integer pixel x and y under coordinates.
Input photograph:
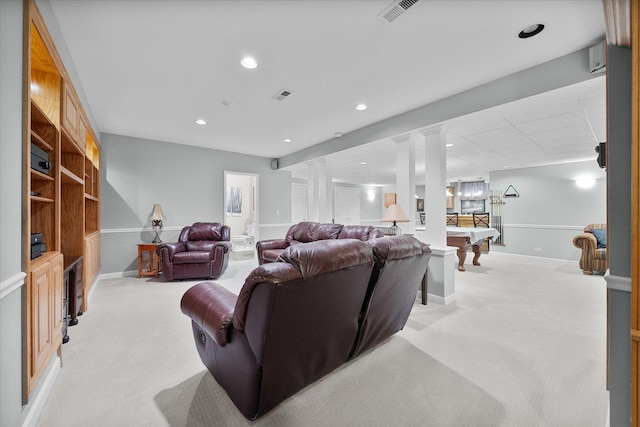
{"type": "Point", "coordinates": [597, 57]}
{"type": "Point", "coordinates": [601, 149]}
{"type": "Point", "coordinates": [274, 164]}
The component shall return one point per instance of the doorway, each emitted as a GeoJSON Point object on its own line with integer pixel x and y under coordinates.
{"type": "Point", "coordinates": [241, 210]}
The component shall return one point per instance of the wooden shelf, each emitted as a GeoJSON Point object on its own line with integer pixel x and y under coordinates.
{"type": "Point", "coordinates": [90, 197]}
{"type": "Point", "coordinates": [40, 142]}
{"type": "Point", "coordinates": [69, 177]}
{"type": "Point", "coordinates": [41, 199]}
{"type": "Point", "coordinates": [39, 176]}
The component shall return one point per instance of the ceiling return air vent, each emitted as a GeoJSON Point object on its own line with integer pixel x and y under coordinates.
{"type": "Point", "coordinates": [282, 94]}
{"type": "Point", "coordinates": [395, 9]}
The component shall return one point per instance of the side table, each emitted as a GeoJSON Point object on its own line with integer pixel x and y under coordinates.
{"type": "Point", "coordinates": [147, 259]}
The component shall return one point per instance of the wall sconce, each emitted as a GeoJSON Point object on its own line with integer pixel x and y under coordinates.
{"type": "Point", "coordinates": [585, 183]}
{"type": "Point", "coordinates": [371, 195]}
{"type": "Point", "coordinates": [394, 213]}
{"type": "Point", "coordinates": [156, 222]}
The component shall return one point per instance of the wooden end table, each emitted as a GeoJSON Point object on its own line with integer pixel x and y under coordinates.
{"type": "Point", "coordinates": [147, 259]}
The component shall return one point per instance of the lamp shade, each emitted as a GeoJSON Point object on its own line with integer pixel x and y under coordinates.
{"type": "Point", "coordinates": [157, 213]}
{"type": "Point", "coordinates": [394, 213]}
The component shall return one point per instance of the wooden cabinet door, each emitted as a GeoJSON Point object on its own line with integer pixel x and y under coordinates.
{"type": "Point", "coordinates": [41, 331]}
{"type": "Point", "coordinates": [70, 111]}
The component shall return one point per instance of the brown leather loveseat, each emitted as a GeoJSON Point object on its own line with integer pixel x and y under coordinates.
{"type": "Point", "coordinates": [296, 320]}
{"type": "Point", "coordinates": [201, 252]}
{"type": "Point", "coordinates": [308, 231]}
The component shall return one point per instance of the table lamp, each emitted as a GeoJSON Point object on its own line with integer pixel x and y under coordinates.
{"type": "Point", "coordinates": [156, 222]}
{"type": "Point", "coordinates": [395, 214]}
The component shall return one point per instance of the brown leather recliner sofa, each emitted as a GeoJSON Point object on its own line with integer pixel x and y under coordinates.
{"type": "Point", "coordinates": [308, 231]}
{"type": "Point", "coordinates": [201, 252]}
{"type": "Point", "coordinates": [296, 320]}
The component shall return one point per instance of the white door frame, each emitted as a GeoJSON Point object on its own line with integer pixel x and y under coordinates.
{"type": "Point", "coordinates": [256, 231]}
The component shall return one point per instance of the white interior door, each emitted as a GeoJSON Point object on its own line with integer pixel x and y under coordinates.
{"type": "Point", "coordinates": [346, 203]}
{"type": "Point", "coordinates": [298, 202]}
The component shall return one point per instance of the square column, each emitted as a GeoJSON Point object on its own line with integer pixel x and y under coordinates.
{"type": "Point", "coordinates": [320, 190]}
{"type": "Point", "coordinates": [406, 180]}
{"type": "Point", "coordinates": [441, 273]}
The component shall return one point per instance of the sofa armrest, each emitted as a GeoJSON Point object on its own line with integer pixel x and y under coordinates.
{"type": "Point", "coordinates": [210, 306]}
{"type": "Point", "coordinates": [222, 246]}
{"type": "Point", "coordinates": [586, 241]}
{"type": "Point", "coordinates": [169, 249]}
{"type": "Point", "coordinates": [272, 244]}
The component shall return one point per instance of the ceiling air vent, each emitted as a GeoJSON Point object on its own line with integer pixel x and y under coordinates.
{"type": "Point", "coordinates": [282, 94]}
{"type": "Point", "coordinates": [396, 9]}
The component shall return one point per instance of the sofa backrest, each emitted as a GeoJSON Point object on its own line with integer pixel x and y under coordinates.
{"type": "Point", "coordinates": [300, 315]}
{"type": "Point", "coordinates": [308, 231]}
{"type": "Point", "coordinates": [201, 235]}
{"type": "Point", "coordinates": [401, 263]}
{"type": "Point", "coordinates": [360, 232]}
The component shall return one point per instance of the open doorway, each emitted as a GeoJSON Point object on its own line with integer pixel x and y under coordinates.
{"type": "Point", "coordinates": [241, 211]}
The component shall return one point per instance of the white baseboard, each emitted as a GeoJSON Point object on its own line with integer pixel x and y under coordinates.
{"type": "Point", "coordinates": [441, 300]}
{"type": "Point", "coordinates": [42, 395]}
{"type": "Point", "coordinates": [118, 275]}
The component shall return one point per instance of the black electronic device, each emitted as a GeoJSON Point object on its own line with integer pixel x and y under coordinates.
{"type": "Point", "coordinates": [36, 238]}
{"type": "Point", "coordinates": [36, 251]}
{"type": "Point", "coordinates": [601, 149]}
{"type": "Point", "coordinates": [40, 159]}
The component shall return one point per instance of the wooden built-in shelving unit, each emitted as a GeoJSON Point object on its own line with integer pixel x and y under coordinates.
{"type": "Point", "coordinates": [61, 202]}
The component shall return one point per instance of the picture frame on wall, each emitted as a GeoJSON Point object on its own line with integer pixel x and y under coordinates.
{"type": "Point", "coordinates": [420, 205]}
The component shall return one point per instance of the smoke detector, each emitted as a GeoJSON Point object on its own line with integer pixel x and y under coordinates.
{"type": "Point", "coordinates": [282, 94]}
{"type": "Point", "coordinates": [395, 9]}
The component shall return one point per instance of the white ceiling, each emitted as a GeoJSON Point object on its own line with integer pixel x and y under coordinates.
{"type": "Point", "coordinates": [149, 68]}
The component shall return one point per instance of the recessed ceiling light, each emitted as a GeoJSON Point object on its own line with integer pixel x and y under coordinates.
{"type": "Point", "coordinates": [249, 62]}
{"type": "Point", "coordinates": [363, 163]}
{"type": "Point", "coordinates": [201, 122]}
{"type": "Point", "coordinates": [338, 134]}
{"type": "Point", "coordinates": [530, 31]}
{"type": "Point", "coordinates": [227, 103]}
{"type": "Point", "coordinates": [506, 166]}
{"type": "Point", "coordinates": [449, 145]}
{"type": "Point", "coordinates": [287, 140]}
{"type": "Point", "coordinates": [361, 107]}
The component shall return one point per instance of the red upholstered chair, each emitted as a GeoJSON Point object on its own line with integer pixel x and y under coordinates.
{"type": "Point", "coordinates": [201, 252]}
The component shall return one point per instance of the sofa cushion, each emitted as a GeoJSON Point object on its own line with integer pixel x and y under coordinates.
{"type": "Point", "coordinates": [205, 231]}
{"type": "Point", "coordinates": [302, 232]}
{"type": "Point", "coordinates": [360, 232]}
{"type": "Point", "coordinates": [326, 232]}
{"type": "Point", "coordinates": [200, 245]}
{"type": "Point", "coordinates": [192, 257]}
{"type": "Point", "coordinates": [601, 236]}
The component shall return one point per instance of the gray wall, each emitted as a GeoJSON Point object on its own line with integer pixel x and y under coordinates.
{"type": "Point", "coordinates": [619, 239]}
{"type": "Point", "coordinates": [11, 17]}
{"type": "Point", "coordinates": [189, 184]}
{"type": "Point", "coordinates": [551, 209]}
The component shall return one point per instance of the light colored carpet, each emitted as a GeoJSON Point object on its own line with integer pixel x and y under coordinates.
{"type": "Point", "coordinates": [523, 345]}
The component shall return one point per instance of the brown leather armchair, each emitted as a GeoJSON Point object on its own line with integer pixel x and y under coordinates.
{"type": "Point", "coordinates": [201, 252]}
{"type": "Point", "coordinates": [305, 232]}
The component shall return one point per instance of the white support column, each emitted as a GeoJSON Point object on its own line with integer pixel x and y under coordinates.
{"type": "Point", "coordinates": [313, 205]}
{"type": "Point", "coordinates": [435, 179]}
{"type": "Point", "coordinates": [406, 180]}
{"type": "Point", "coordinates": [325, 190]}
{"type": "Point", "coordinates": [441, 272]}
